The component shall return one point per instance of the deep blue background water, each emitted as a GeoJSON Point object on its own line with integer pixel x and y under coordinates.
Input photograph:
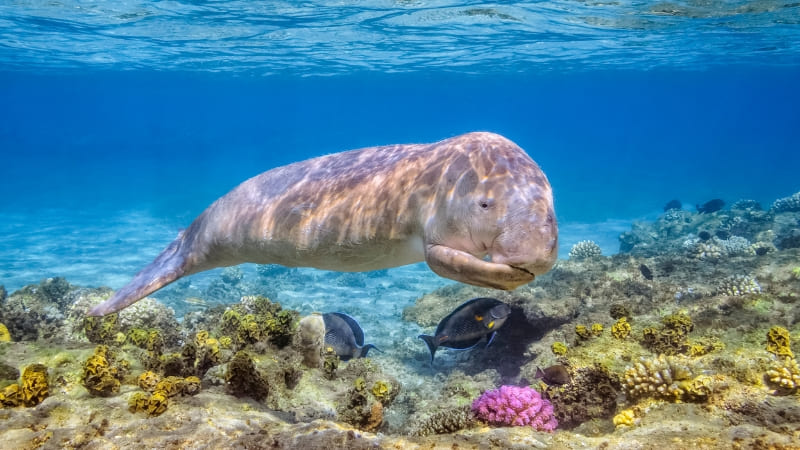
{"type": "Point", "coordinates": [615, 144]}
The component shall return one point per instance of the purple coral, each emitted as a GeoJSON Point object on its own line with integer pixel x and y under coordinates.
{"type": "Point", "coordinates": [517, 406]}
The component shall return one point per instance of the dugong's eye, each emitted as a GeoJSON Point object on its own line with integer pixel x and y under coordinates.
{"type": "Point", "coordinates": [485, 203]}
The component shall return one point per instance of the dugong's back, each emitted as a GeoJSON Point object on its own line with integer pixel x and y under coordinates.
{"type": "Point", "coordinates": [374, 208]}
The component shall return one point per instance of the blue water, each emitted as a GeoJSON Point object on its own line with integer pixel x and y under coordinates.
{"type": "Point", "coordinates": [119, 123]}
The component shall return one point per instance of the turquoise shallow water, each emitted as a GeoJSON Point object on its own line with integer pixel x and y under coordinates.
{"type": "Point", "coordinates": [121, 121]}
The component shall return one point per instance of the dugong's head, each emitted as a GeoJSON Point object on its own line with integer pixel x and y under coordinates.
{"type": "Point", "coordinates": [498, 208]}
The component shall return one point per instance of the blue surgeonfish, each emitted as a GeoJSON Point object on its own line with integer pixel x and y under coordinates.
{"type": "Point", "coordinates": [344, 335]}
{"type": "Point", "coordinates": [468, 324]}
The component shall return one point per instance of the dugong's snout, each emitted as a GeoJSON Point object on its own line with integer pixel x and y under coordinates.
{"type": "Point", "coordinates": [531, 246]}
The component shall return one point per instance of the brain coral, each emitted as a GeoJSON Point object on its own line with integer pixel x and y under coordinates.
{"type": "Point", "coordinates": [517, 406]}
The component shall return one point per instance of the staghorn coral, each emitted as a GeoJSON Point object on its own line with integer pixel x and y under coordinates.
{"type": "Point", "coordinates": [584, 250]}
{"type": "Point", "coordinates": [515, 406]}
{"type": "Point", "coordinates": [737, 285]}
{"type": "Point", "coordinates": [665, 377]}
{"type": "Point", "coordinates": [443, 422]}
{"type": "Point", "coordinates": [779, 342]}
{"type": "Point", "coordinates": [621, 329]}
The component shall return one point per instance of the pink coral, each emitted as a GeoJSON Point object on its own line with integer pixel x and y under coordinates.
{"type": "Point", "coordinates": [516, 406]}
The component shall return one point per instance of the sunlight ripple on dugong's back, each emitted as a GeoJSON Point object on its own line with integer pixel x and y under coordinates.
{"type": "Point", "coordinates": [476, 208]}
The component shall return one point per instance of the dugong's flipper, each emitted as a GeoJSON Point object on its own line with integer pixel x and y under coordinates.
{"type": "Point", "coordinates": [167, 267]}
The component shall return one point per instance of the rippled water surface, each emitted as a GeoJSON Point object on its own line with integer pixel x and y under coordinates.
{"type": "Point", "coordinates": [329, 37]}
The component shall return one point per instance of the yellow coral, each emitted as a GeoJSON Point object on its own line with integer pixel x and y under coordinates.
{"type": "Point", "coordinates": [157, 403]}
{"type": "Point", "coordinates": [170, 386]}
{"type": "Point", "coordinates": [138, 337]}
{"type": "Point", "coordinates": [621, 329]}
{"type": "Point", "coordinates": [559, 348]}
{"type": "Point", "coordinates": [381, 390]}
{"type": "Point", "coordinates": [148, 380]}
{"type": "Point", "coordinates": [34, 385]}
{"type": "Point", "coordinates": [139, 402]}
{"type": "Point", "coordinates": [625, 418]}
{"type": "Point", "coordinates": [582, 332]}
{"type": "Point", "coordinates": [11, 396]}
{"type": "Point", "coordinates": [5, 336]}
{"type": "Point", "coordinates": [225, 341]}
{"type": "Point", "coordinates": [597, 329]}
{"type": "Point", "coordinates": [785, 374]}
{"type": "Point", "coordinates": [778, 342]}
{"type": "Point", "coordinates": [200, 338]}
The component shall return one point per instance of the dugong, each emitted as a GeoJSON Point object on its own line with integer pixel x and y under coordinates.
{"type": "Point", "coordinates": [476, 208]}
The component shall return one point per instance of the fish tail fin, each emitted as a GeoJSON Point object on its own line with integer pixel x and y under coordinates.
{"type": "Point", "coordinates": [539, 373]}
{"type": "Point", "coordinates": [362, 352]}
{"type": "Point", "coordinates": [166, 268]}
{"type": "Point", "coordinates": [430, 341]}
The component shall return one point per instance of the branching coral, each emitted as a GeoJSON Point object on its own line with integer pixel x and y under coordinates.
{"type": "Point", "coordinates": [737, 285]}
{"type": "Point", "coordinates": [442, 422]}
{"type": "Point", "coordinates": [666, 377]}
{"type": "Point", "coordinates": [785, 374]}
{"type": "Point", "coordinates": [585, 250]}
{"type": "Point", "coordinates": [515, 406]}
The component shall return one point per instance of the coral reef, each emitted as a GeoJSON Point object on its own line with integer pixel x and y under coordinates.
{"type": "Point", "coordinates": [786, 204]}
{"type": "Point", "coordinates": [736, 285]}
{"type": "Point", "coordinates": [785, 374]}
{"type": "Point", "coordinates": [448, 421]}
{"type": "Point", "coordinates": [672, 337]}
{"type": "Point", "coordinates": [102, 373]}
{"type": "Point", "coordinates": [779, 342]}
{"type": "Point", "coordinates": [666, 377]}
{"type": "Point", "coordinates": [515, 406]}
{"type": "Point", "coordinates": [585, 250]}
{"type": "Point", "coordinates": [243, 379]}
{"type": "Point", "coordinates": [590, 394]}
{"type": "Point", "coordinates": [621, 328]}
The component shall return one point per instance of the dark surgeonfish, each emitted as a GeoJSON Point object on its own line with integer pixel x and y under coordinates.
{"type": "Point", "coordinates": [553, 375]}
{"type": "Point", "coordinates": [344, 335]}
{"type": "Point", "coordinates": [468, 324]}
{"type": "Point", "coordinates": [710, 206]}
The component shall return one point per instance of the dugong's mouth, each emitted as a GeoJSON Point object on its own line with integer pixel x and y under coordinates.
{"type": "Point", "coordinates": [523, 270]}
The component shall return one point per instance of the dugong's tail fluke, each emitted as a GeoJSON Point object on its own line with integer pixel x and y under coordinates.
{"type": "Point", "coordinates": [166, 268]}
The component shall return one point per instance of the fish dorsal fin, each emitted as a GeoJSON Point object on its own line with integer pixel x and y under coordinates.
{"type": "Point", "coordinates": [358, 333]}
